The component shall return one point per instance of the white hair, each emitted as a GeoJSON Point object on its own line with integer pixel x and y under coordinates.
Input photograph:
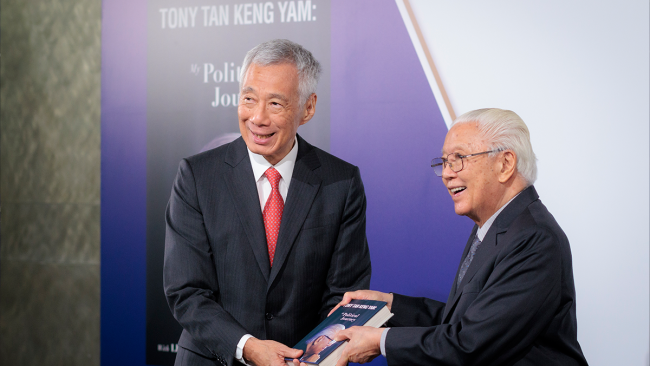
{"type": "Point", "coordinates": [505, 130]}
{"type": "Point", "coordinates": [279, 51]}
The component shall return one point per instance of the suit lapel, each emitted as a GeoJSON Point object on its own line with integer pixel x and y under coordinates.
{"type": "Point", "coordinates": [452, 294]}
{"type": "Point", "coordinates": [241, 184]}
{"type": "Point", "coordinates": [485, 251]}
{"type": "Point", "coordinates": [488, 247]}
{"type": "Point", "coordinates": [302, 191]}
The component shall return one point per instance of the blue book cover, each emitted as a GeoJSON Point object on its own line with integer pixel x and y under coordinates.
{"type": "Point", "coordinates": [319, 343]}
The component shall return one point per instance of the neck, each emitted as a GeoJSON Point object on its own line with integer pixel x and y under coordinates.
{"type": "Point", "coordinates": [509, 192]}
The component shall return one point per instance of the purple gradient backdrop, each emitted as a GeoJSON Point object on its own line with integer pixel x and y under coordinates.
{"type": "Point", "coordinates": [384, 119]}
{"type": "Point", "coordinates": [123, 192]}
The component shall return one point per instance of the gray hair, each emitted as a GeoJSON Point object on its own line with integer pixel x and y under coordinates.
{"type": "Point", "coordinates": [279, 51]}
{"type": "Point", "coordinates": [505, 130]}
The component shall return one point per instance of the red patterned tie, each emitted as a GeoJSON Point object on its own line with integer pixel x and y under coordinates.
{"type": "Point", "coordinates": [273, 211]}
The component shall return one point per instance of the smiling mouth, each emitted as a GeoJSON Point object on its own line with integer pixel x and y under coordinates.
{"type": "Point", "coordinates": [457, 190]}
{"type": "Point", "coordinates": [264, 136]}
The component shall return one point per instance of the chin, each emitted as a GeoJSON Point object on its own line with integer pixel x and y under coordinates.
{"type": "Point", "coordinates": [460, 211]}
{"type": "Point", "coordinates": [257, 149]}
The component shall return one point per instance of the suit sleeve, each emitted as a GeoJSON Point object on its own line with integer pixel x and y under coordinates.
{"type": "Point", "coordinates": [504, 317]}
{"type": "Point", "coordinates": [189, 276]}
{"type": "Point", "coordinates": [350, 268]}
{"type": "Point", "coordinates": [415, 311]}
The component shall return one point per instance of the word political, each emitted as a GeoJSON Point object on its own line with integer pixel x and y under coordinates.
{"type": "Point", "coordinates": [228, 73]}
{"type": "Point", "coordinates": [242, 14]}
{"type": "Point", "coordinates": [349, 317]}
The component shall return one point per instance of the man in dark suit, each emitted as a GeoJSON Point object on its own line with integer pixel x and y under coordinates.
{"type": "Point", "coordinates": [264, 234]}
{"type": "Point", "coordinates": [513, 298]}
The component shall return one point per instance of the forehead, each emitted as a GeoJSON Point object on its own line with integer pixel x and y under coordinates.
{"type": "Point", "coordinates": [278, 76]}
{"type": "Point", "coordinates": [462, 138]}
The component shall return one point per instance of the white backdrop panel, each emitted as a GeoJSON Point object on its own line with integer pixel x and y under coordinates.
{"type": "Point", "coordinates": [577, 73]}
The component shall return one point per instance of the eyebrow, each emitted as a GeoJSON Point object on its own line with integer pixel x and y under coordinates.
{"type": "Point", "coordinates": [454, 148]}
{"type": "Point", "coordinates": [250, 89]}
{"type": "Point", "coordinates": [247, 89]}
{"type": "Point", "coordinates": [278, 96]}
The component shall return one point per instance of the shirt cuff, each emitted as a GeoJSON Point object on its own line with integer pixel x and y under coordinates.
{"type": "Point", "coordinates": [382, 343]}
{"type": "Point", "coordinates": [239, 354]}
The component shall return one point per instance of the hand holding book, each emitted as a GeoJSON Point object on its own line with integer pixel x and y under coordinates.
{"type": "Point", "coordinates": [363, 344]}
{"type": "Point", "coordinates": [324, 344]}
{"type": "Point", "coordinates": [267, 352]}
{"type": "Point", "coordinates": [365, 295]}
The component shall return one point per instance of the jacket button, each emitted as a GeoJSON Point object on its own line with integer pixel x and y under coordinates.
{"type": "Point", "coordinates": [269, 316]}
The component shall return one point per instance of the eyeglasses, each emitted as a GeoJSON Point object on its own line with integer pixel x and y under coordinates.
{"type": "Point", "coordinates": [454, 161]}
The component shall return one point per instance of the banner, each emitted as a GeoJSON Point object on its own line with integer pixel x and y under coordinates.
{"type": "Point", "coordinates": [195, 51]}
{"type": "Point", "coordinates": [170, 84]}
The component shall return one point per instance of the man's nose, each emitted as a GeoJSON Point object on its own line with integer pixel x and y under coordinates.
{"type": "Point", "coordinates": [447, 172]}
{"type": "Point", "coordinates": [259, 115]}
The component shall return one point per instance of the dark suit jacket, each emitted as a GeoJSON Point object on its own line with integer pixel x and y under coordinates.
{"type": "Point", "coordinates": [515, 305]}
{"type": "Point", "coordinates": [217, 278]}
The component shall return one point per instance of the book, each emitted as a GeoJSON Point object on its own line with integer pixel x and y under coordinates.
{"type": "Point", "coordinates": [320, 348]}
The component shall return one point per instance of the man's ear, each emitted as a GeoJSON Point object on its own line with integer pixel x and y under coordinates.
{"type": "Point", "coordinates": [508, 165]}
{"type": "Point", "coordinates": [310, 109]}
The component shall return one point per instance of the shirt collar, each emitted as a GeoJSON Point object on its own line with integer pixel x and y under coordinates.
{"type": "Point", "coordinates": [284, 166]}
{"type": "Point", "coordinates": [482, 231]}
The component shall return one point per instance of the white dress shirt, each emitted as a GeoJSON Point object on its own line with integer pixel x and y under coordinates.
{"type": "Point", "coordinates": [284, 167]}
{"type": "Point", "coordinates": [260, 165]}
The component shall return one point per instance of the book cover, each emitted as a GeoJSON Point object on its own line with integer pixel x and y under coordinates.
{"type": "Point", "coordinates": [319, 346]}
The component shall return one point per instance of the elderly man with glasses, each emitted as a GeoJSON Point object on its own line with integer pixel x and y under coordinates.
{"type": "Point", "coordinates": [513, 299]}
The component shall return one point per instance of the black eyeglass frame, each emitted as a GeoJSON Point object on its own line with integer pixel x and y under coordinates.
{"type": "Point", "coordinates": [458, 156]}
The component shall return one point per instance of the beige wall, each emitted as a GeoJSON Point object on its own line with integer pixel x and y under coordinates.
{"type": "Point", "coordinates": [49, 182]}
